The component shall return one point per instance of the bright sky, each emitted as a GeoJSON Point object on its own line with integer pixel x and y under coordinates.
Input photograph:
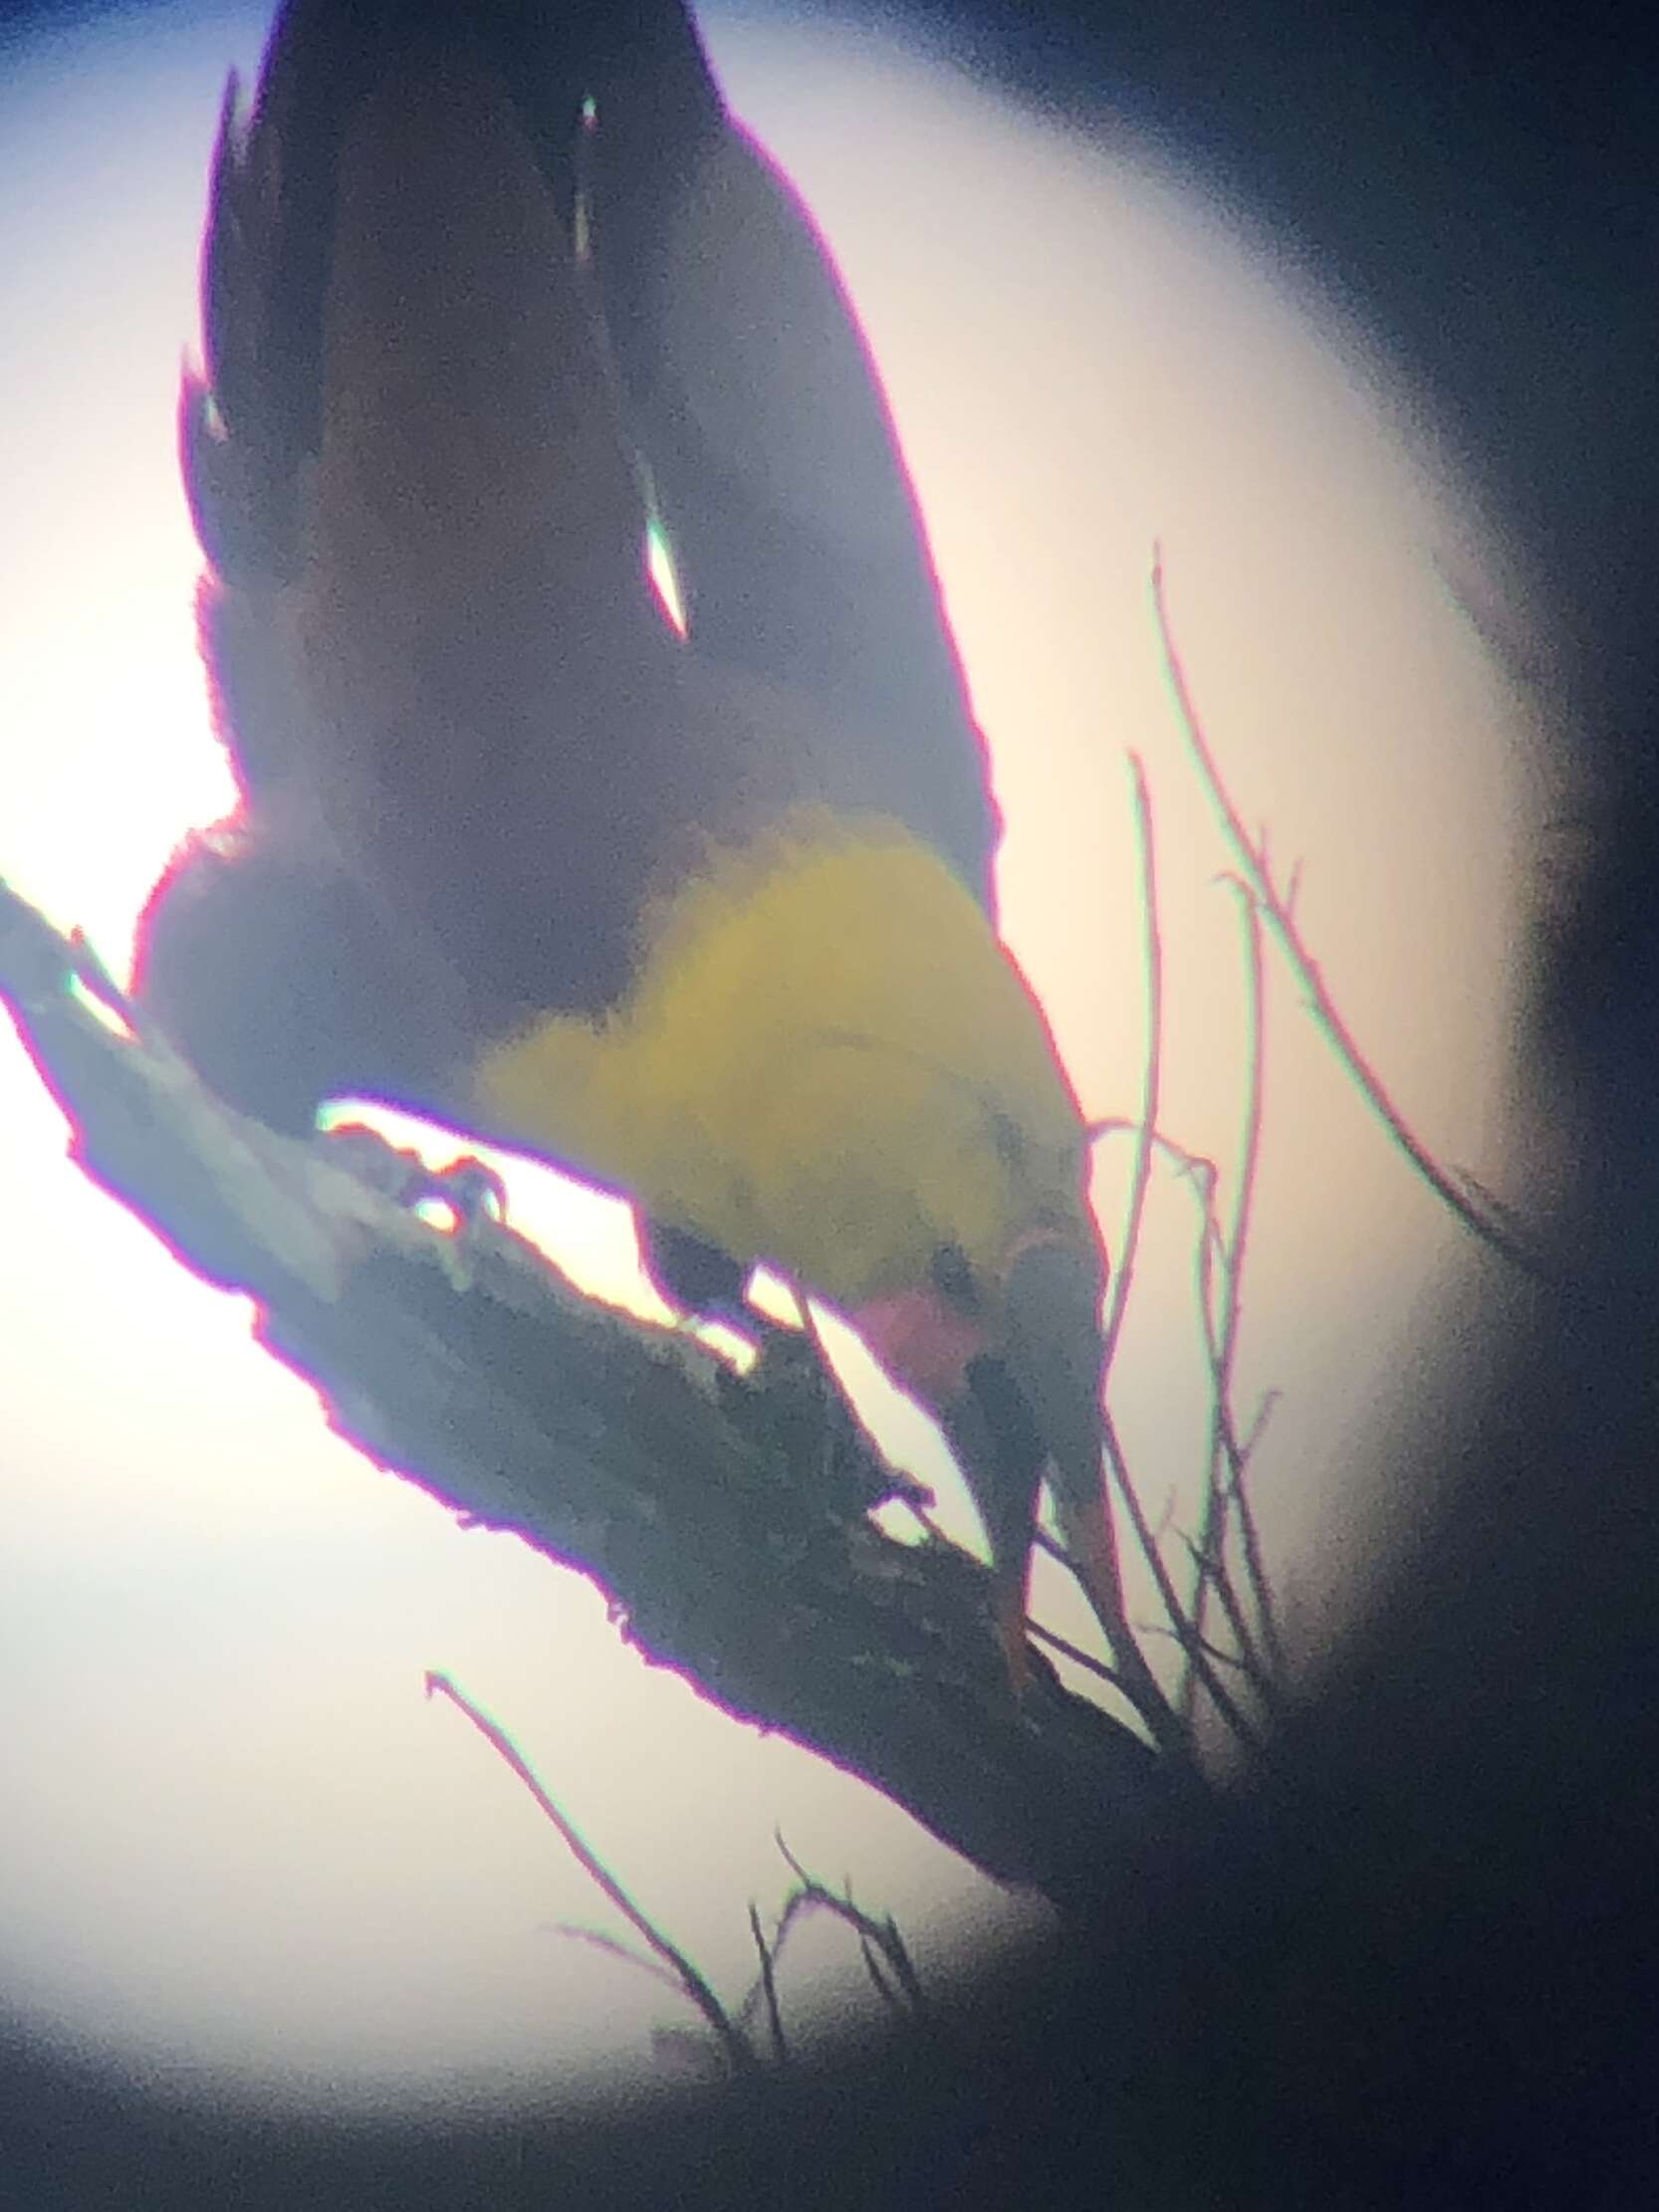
{"type": "Point", "coordinates": [238, 1839]}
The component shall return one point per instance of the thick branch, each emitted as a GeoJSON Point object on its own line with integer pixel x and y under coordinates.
{"type": "Point", "coordinates": [726, 1521]}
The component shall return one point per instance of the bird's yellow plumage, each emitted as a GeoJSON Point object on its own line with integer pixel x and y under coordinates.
{"type": "Point", "coordinates": [828, 1061]}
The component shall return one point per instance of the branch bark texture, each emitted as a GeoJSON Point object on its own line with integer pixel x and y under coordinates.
{"type": "Point", "coordinates": [726, 1519]}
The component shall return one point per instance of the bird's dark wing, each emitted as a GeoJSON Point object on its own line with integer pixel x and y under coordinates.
{"type": "Point", "coordinates": [433, 657]}
{"type": "Point", "coordinates": [770, 449]}
{"type": "Point", "coordinates": [480, 284]}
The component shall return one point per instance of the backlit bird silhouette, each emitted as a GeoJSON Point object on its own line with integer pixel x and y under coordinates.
{"type": "Point", "coordinates": [490, 294]}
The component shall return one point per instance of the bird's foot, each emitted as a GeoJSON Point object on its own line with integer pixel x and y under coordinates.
{"type": "Point", "coordinates": [456, 1201]}
{"type": "Point", "coordinates": [802, 1404]}
{"type": "Point", "coordinates": [95, 980]}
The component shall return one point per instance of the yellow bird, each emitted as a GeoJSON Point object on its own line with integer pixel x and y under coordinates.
{"type": "Point", "coordinates": [488, 296]}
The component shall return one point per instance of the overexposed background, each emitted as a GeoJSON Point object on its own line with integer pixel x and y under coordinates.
{"type": "Point", "coordinates": [239, 1841]}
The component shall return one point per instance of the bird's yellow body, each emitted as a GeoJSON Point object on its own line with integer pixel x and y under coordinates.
{"type": "Point", "coordinates": [828, 1061]}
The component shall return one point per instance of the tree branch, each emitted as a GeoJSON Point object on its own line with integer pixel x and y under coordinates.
{"type": "Point", "coordinates": [729, 1530]}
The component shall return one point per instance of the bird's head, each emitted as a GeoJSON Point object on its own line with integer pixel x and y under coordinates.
{"type": "Point", "coordinates": [1006, 1350]}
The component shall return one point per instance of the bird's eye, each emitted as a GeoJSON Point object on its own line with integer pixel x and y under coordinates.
{"type": "Point", "coordinates": [953, 1279]}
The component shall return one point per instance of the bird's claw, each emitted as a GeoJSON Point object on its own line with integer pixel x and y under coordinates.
{"type": "Point", "coordinates": [468, 1191]}
{"type": "Point", "coordinates": [94, 978]}
{"type": "Point", "coordinates": [804, 1407]}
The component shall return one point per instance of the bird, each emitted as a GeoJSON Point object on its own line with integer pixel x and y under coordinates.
{"type": "Point", "coordinates": [695, 901]}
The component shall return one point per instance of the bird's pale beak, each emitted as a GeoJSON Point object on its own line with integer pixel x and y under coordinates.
{"type": "Point", "coordinates": [1017, 1387]}
{"type": "Point", "coordinates": [1053, 1348]}
{"type": "Point", "coordinates": [1001, 1453]}
{"type": "Point", "coordinates": [1030, 1409]}
{"type": "Point", "coordinates": [1055, 1353]}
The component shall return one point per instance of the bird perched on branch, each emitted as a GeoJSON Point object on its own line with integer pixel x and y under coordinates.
{"type": "Point", "coordinates": [490, 293]}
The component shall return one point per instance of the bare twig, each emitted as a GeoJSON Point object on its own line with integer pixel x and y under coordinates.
{"type": "Point", "coordinates": [1195, 1168]}
{"type": "Point", "coordinates": [1248, 1654]}
{"type": "Point", "coordinates": [739, 2057]}
{"type": "Point", "coordinates": [1256, 1571]}
{"type": "Point", "coordinates": [1230, 1659]}
{"type": "Point", "coordinates": [793, 1909]}
{"type": "Point", "coordinates": [879, 1980]}
{"type": "Point", "coordinates": [1483, 1221]}
{"type": "Point", "coordinates": [1152, 1075]}
{"type": "Point", "coordinates": [1201, 1173]}
{"type": "Point", "coordinates": [769, 1987]}
{"type": "Point", "coordinates": [1063, 1645]}
{"type": "Point", "coordinates": [1244, 1193]}
{"type": "Point", "coordinates": [597, 1939]}
{"type": "Point", "coordinates": [1211, 1257]}
{"type": "Point", "coordinates": [883, 1935]}
{"type": "Point", "coordinates": [1217, 1690]}
{"type": "Point", "coordinates": [1136, 1679]}
{"type": "Point", "coordinates": [1253, 1434]}
{"type": "Point", "coordinates": [1224, 1481]}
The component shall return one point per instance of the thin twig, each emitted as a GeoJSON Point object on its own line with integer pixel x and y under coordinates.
{"type": "Point", "coordinates": [1152, 1074]}
{"type": "Point", "coordinates": [884, 1934]}
{"type": "Point", "coordinates": [1250, 1153]}
{"type": "Point", "coordinates": [1200, 1172]}
{"type": "Point", "coordinates": [1196, 1168]}
{"type": "Point", "coordinates": [1217, 1689]}
{"type": "Point", "coordinates": [1064, 1645]}
{"type": "Point", "coordinates": [1250, 1543]}
{"type": "Point", "coordinates": [794, 1907]}
{"type": "Point", "coordinates": [769, 1986]}
{"type": "Point", "coordinates": [1209, 1260]}
{"type": "Point", "coordinates": [1281, 920]}
{"type": "Point", "coordinates": [811, 1896]}
{"type": "Point", "coordinates": [599, 1941]}
{"type": "Point", "coordinates": [1263, 1414]}
{"type": "Point", "coordinates": [1248, 1654]}
{"type": "Point", "coordinates": [1210, 1651]}
{"type": "Point", "coordinates": [1224, 1481]}
{"type": "Point", "coordinates": [1139, 1684]}
{"type": "Point", "coordinates": [878, 1981]}
{"type": "Point", "coordinates": [738, 2054]}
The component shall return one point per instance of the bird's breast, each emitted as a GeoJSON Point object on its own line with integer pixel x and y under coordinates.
{"type": "Point", "coordinates": [820, 1063]}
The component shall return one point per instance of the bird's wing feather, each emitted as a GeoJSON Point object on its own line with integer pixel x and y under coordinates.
{"type": "Point", "coordinates": [416, 462]}
{"type": "Point", "coordinates": [771, 449]}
